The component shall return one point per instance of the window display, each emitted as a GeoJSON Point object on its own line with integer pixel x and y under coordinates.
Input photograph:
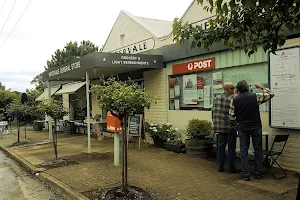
{"type": "Point", "coordinates": [192, 91]}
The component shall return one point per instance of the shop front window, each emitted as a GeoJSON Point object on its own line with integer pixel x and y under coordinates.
{"type": "Point", "coordinates": [191, 91]}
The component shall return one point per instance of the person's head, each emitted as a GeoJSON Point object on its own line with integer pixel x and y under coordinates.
{"type": "Point", "coordinates": [242, 86]}
{"type": "Point", "coordinates": [228, 88]}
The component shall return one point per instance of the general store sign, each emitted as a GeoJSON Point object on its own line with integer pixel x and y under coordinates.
{"type": "Point", "coordinates": [194, 66]}
{"type": "Point", "coordinates": [65, 69]}
{"type": "Point", "coordinates": [138, 47]}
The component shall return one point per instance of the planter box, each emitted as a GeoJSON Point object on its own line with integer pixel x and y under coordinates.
{"type": "Point", "coordinates": [176, 148]}
{"type": "Point", "coordinates": [195, 146]}
{"type": "Point", "coordinates": [159, 143]}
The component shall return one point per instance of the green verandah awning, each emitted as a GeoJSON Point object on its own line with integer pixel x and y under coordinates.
{"type": "Point", "coordinates": [95, 65]}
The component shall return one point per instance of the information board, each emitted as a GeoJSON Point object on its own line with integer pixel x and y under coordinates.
{"type": "Point", "coordinates": [284, 79]}
{"type": "Point", "coordinates": [135, 125]}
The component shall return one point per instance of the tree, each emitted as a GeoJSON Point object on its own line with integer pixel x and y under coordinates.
{"type": "Point", "coordinates": [19, 111]}
{"type": "Point", "coordinates": [70, 52]}
{"type": "Point", "coordinates": [38, 83]}
{"type": "Point", "coordinates": [6, 98]}
{"type": "Point", "coordinates": [56, 111]}
{"type": "Point", "coordinates": [2, 87]}
{"type": "Point", "coordinates": [245, 23]}
{"type": "Point", "coordinates": [122, 99]}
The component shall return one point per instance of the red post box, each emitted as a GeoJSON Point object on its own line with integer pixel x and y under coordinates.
{"type": "Point", "coordinates": [113, 123]}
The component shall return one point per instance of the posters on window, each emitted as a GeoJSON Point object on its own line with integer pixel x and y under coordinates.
{"type": "Point", "coordinates": [190, 94]}
{"type": "Point", "coordinates": [177, 105]}
{"type": "Point", "coordinates": [177, 90]}
{"type": "Point", "coordinates": [217, 80]}
{"type": "Point", "coordinates": [207, 97]}
{"type": "Point", "coordinates": [172, 89]}
{"type": "Point", "coordinates": [172, 93]}
{"type": "Point", "coordinates": [200, 88]}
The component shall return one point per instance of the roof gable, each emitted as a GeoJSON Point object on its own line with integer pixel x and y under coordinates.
{"type": "Point", "coordinates": [159, 28]}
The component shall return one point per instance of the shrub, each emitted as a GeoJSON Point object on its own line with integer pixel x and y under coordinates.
{"type": "Point", "coordinates": [199, 129]}
{"type": "Point", "coordinates": [164, 132]}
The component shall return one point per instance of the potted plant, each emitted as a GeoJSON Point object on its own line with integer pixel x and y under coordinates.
{"type": "Point", "coordinates": [176, 144]}
{"type": "Point", "coordinates": [198, 132]}
{"type": "Point", "coordinates": [160, 134]}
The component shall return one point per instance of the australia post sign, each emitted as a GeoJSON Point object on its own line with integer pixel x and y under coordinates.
{"type": "Point", "coordinates": [194, 66]}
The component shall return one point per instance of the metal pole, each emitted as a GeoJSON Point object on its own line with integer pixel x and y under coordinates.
{"type": "Point", "coordinates": [117, 149]}
{"type": "Point", "coordinates": [49, 118]}
{"type": "Point", "coordinates": [88, 110]}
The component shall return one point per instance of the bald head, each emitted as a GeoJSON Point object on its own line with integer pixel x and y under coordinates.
{"type": "Point", "coordinates": [228, 88]}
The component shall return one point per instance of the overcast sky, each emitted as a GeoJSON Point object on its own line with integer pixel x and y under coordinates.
{"type": "Point", "coordinates": [49, 24]}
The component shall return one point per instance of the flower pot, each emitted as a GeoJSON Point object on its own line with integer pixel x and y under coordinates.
{"type": "Point", "coordinates": [159, 143]}
{"type": "Point", "coordinates": [196, 146]}
{"type": "Point", "coordinates": [176, 148]}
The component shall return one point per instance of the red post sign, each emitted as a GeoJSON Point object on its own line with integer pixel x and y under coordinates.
{"type": "Point", "coordinates": [194, 66]}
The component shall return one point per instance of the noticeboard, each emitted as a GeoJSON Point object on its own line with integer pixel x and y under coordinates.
{"type": "Point", "coordinates": [284, 80]}
{"type": "Point", "coordinates": [135, 125]}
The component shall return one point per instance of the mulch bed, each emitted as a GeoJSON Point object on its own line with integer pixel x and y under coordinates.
{"type": "Point", "coordinates": [84, 157]}
{"type": "Point", "coordinates": [116, 194]}
{"type": "Point", "coordinates": [15, 144]}
{"type": "Point", "coordinates": [60, 162]}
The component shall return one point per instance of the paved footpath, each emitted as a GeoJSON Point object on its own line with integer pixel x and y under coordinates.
{"type": "Point", "coordinates": [16, 183]}
{"type": "Point", "coordinates": [168, 175]}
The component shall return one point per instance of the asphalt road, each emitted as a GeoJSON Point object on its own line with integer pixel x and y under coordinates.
{"type": "Point", "coordinates": [18, 184]}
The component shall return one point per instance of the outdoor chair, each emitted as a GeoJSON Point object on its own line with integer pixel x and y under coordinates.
{"type": "Point", "coordinates": [275, 152]}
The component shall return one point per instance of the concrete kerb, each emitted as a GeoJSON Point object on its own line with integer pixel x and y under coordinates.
{"type": "Point", "coordinates": [27, 165]}
{"type": "Point", "coordinates": [68, 192]}
{"type": "Point", "coordinates": [62, 187]}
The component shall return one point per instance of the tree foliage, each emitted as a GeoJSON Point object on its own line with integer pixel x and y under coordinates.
{"type": "Point", "coordinates": [38, 83]}
{"type": "Point", "coordinates": [53, 108]}
{"type": "Point", "coordinates": [2, 86]}
{"type": "Point", "coordinates": [70, 52]}
{"type": "Point", "coordinates": [119, 96]}
{"type": "Point", "coordinates": [245, 23]}
{"type": "Point", "coordinates": [6, 98]}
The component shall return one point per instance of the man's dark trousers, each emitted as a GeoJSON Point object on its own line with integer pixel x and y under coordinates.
{"type": "Point", "coordinates": [244, 136]}
{"type": "Point", "coordinates": [223, 140]}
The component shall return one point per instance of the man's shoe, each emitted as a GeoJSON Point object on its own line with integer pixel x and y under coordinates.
{"type": "Point", "coordinates": [246, 177]}
{"type": "Point", "coordinates": [234, 171]}
{"type": "Point", "coordinates": [220, 170]}
{"type": "Point", "coordinates": [258, 176]}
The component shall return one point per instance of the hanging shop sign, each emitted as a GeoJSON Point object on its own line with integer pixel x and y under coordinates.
{"type": "Point", "coordinates": [194, 66]}
{"type": "Point", "coordinates": [138, 47]}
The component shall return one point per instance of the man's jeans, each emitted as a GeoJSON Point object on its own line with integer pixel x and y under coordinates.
{"type": "Point", "coordinates": [244, 148]}
{"type": "Point", "coordinates": [223, 140]}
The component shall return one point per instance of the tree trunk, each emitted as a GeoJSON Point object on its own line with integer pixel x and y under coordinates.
{"type": "Point", "coordinates": [124, 158]}
{"type": "Point", "coordinates": [18, 126]}
{"type": "Point", "coordinates": [54, 136]}
{"type": "Point", "coordinates": [10, 126]}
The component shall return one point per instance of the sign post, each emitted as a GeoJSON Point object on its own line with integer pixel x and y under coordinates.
{"type": "Point", "coordinates": [114, 126]}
